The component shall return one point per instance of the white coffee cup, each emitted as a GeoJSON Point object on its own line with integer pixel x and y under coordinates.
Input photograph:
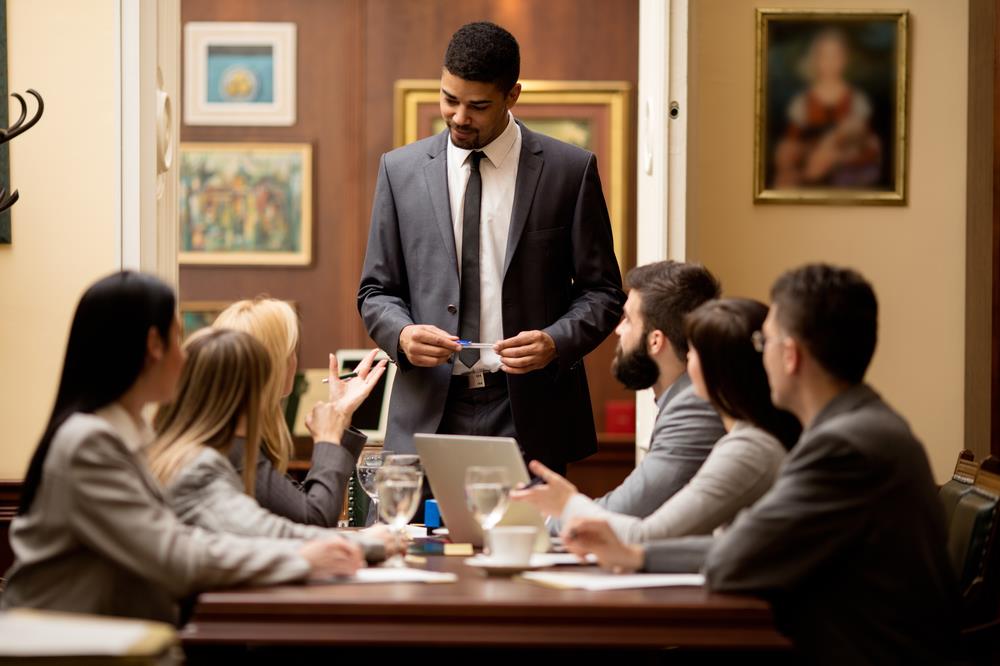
{"type": "Point", "coordinates": [512, 545]}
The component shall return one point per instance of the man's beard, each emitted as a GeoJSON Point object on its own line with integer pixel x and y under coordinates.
{"type": "Point", "coordinates": [634, 369]}
{"type": "Point", "coordinates": [465, 144]}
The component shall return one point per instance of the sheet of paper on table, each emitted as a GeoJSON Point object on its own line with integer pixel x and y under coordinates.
{"type": "Point", "coordinates": [600, 580]}
{"type": "Point", "coordinates": [398, 575]}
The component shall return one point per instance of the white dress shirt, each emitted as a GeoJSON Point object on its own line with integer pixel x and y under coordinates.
{"type": "Point", "coordinates": [499, 174]}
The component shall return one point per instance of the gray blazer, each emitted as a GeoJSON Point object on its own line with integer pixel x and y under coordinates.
{"type": "Point", "coordinates": [560, 276]}
{"type": "Point", "coordinates": [849, 545]}
{"type": "Point", "coordinates": [685, 431]}
{"type": "Point", "coordinates": [320, 498]}
{"type": "Point", "coordinates": [208, 493]}
{"type": "Point", "coordinates": [741, 467]}
{"type": "Point", "coordinates": [100, 539]}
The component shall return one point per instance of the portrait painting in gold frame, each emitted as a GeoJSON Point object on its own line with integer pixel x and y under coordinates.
{"type": "Point", "coordinates": [831, 92]}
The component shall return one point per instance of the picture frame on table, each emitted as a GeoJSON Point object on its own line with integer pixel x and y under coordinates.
{"type": "Point", "coordinates": [591, 114]}
{"type": "Point", "coordinates": [239, 73]}
{"type": "Point", "coordinates": [831, 107]}
{"type": "Point", "coordinates": [245, 204]}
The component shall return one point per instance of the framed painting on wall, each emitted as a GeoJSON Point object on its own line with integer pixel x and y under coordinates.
{"type": "Point", "coordinates": [591, 114]}
{"type": "Point", "coordinates": [245, 203]}
{"type": "Point", "coordinates": [199, 314]}
{"type": "Point", "coordinates": [831, 107]}
{"type": "Point", "coordinates": [239, 73]}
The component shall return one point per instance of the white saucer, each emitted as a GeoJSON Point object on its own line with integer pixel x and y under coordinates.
{"type": "Point", "coordinates": [502, 568]}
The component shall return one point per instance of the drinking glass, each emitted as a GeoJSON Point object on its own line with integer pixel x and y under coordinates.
{"type": "Point", "coordinates": [399, 496]}
{"type": "Point", "coordinates": [487, 492]}
{"type": "Point", "coordinates": [368, 464]}
{"type": "Point", "coordinates": [405, 460]}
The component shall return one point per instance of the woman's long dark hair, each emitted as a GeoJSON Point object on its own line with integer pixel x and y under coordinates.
{"type": "Point", "coordinates": [721, 332]}
{"type": "Point", "coordinates": [105, 354]}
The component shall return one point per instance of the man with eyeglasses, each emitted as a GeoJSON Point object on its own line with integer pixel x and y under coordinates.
{"type": "Point", "coordinates": [849, 544]}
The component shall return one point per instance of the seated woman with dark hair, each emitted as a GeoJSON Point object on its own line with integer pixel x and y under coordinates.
{"type": "Point", "coordinates": [725, 369]}
{"type": "Point", "coordinates": [93, 533]}
{"type": "Point", "coordinates": [221, 390]}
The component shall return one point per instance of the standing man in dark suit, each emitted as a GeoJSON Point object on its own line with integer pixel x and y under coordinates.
{"type": "Point", "coordinates": [489, 232]}
{"type": "Point", "coordinates": [849, 544]}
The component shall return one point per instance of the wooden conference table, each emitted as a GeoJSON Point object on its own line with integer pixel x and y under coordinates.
{"type": "Point", "coordinates": [481, 612]}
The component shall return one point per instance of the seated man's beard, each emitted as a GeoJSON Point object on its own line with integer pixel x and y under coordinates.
{"type": "Point", "coordinates": [635, 369]}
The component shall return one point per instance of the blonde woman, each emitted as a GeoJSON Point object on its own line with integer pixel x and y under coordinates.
{"type": "Point", "coordinates": [219, 393]}
{"type": "Point", "coordinates": [319, 499]}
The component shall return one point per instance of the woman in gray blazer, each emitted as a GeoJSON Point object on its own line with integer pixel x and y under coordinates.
{"type": "Point", "coordinates": [220, 392]}
{"type": "Point", "coordinates": [93, 533]}
{"type": "Point", "coordinates": [725, 370]}
{"type": "Point", "coordinates": [318, 500]}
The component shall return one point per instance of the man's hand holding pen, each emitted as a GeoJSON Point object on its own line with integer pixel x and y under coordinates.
{"type": "Point", "coordinates": [427, 346]}
{"type": "Point", "coordinates": [526, 351]}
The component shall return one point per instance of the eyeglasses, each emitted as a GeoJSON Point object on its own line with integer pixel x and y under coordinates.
{"type": "Point", "coordinates": [758, 340]}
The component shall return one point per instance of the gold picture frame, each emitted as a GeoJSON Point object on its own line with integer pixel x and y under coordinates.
{"type": "Point", "coordinates": [199, 314]}
{"type": "Point", "coordinates": [592, 114]}
{"type": "Point", "coordinates": [245, 204]}
{"type": "Point", "coordinates": [809, 150]}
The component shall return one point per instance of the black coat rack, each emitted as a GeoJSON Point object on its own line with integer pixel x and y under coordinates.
{"type": "Point", "coordinates": [19, 127]}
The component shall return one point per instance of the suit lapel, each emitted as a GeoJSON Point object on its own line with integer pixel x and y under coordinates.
{"type": "Point", "coordinates": [529, 168]}
{"type": "Point", "coordinates": [436, 174]}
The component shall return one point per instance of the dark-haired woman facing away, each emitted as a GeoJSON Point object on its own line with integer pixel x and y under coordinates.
{"type": "Point", "coordinates": [726, 370]}
{"type": "Point", "coordinates": [93, 533]}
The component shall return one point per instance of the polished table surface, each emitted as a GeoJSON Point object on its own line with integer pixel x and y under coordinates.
{"type": "Point", "coordinates": [479, 611]}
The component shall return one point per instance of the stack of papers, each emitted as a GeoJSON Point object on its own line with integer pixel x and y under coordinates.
{"type": "Point", "coordinates": [600, 580]}
{"type": "Point", "coordinates": [28, 634]}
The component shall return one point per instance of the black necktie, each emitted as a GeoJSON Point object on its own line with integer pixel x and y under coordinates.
{"type": "Point", "coordinates": [469, 323]}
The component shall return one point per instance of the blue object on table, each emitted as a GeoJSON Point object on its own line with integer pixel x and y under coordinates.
{"type": "Point", "coordinates": [432, 515]}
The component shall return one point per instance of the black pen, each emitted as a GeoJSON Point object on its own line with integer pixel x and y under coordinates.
{"type": "Point", "coordinates": [352, 375]}
{"type": "Point", "coordinates": [537, 481]}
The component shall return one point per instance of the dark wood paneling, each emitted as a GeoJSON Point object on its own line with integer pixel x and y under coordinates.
{"type": "Point", "coordinates": [329, 111]}
{"type": "Point", "coordinates": [995, 347]}
{"type": "Point", "coordinates": [351, 52]}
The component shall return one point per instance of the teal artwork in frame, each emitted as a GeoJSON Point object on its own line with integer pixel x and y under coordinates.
{"type": "Point", "coordinates": [5, 235]}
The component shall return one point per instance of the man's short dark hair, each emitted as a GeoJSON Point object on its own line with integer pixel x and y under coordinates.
{"type": "Point", "coordinates": [834, 313]}
{"type": "Point", "coordinates": [670, 290]}
{"type": "Point", "coordinates": [484, 52]}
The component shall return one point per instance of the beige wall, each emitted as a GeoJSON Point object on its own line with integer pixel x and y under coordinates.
{"type": "Point", "coordinates": [914, 254]}
{"type": "Point", "coordinates": [64, 226]}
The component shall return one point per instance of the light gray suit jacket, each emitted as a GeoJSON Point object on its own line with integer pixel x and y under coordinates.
{"type": "Point", "coordinates": [208, 493]}
{"type": "Point", "coordinates": [560, 276]}
{"type": "Point", "coordinates": [849, 544]}
{"type": "Point", "coordinates": [100, 538]}
{"type": "Point", "coordinates": [685, 431]}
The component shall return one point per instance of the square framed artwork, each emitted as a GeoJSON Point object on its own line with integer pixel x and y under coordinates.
{"type": "Point", "coordinates": [196, 315]}
{"type": "Point", "coordinates": [239, 73]}
{"type": "Point", "coordinates": [831, 107]}
{"type": "Point", "coordinates": [590, 114]}
{"type": "Point", "coordinates": [245, 204]}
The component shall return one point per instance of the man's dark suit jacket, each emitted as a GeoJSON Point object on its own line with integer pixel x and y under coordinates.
{"type": "Point", "coordinates": [561, 276]}
{"type": "Point", "coordinates": [849, 544]}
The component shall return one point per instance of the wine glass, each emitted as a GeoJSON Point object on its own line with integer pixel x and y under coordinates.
{"type": "Point", "coordinates": [487, 492]}
{"type": "Point", "coordinates": [399, 496]}
{"type": "Point", "coordinates": [368, 464]}
{"type": "Point", "coordinates": [405, 460]}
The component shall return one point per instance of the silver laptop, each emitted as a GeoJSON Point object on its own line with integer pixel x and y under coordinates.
{"type": "Point", "coordinates": [445, 459]}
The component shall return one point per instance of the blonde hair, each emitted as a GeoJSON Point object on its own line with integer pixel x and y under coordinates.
{"type": "Point", "coordinates": [222, 383]}
{"type": "Point", "coordinates": [275, 325]}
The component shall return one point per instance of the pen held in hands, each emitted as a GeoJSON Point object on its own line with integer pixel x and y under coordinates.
{"type": "Point", "coordinates": [352, 375]}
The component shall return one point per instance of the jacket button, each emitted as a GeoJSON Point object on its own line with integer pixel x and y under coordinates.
{"type": "Point", "coordinates": [452, 309]}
